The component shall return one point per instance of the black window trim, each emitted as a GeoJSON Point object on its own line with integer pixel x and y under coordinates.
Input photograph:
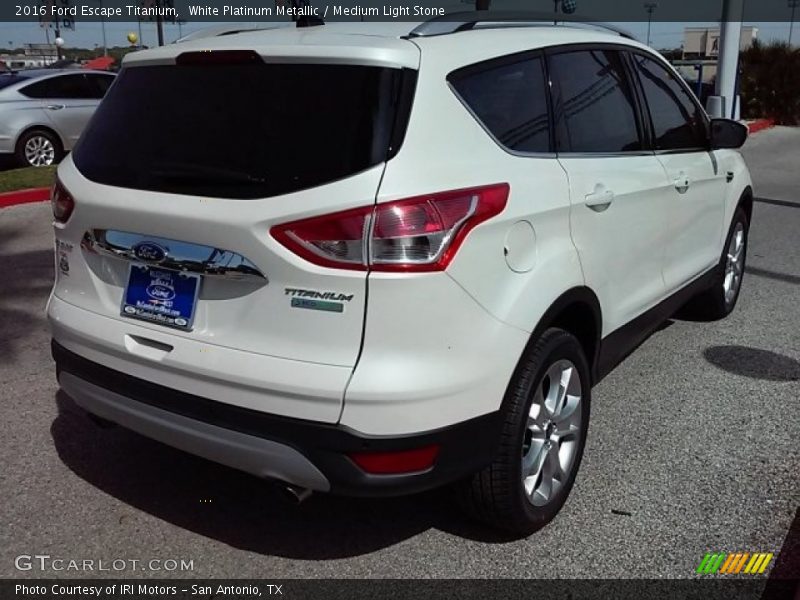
{"type": "Point", "coordinates": [649, 118]}
{"type": "Point", "coordinates": [493, 63]}
{"type": "Point", "coordinates": [641, 123]}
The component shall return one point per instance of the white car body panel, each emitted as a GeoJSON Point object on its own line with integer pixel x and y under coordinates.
{"type": "Point", "coordinates": [237, 315]}
{"type": "Point", "coordinates": [411, 353]}
{"type": "Point", "coordinates": [622, 247]}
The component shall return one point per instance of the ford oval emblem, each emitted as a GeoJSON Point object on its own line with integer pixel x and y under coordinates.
{"type": "Point", "coordinates": [150, 252]}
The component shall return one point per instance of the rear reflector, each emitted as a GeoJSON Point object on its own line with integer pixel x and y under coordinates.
{"type": "Point", "coordinates": [411, 235]}
{"type": "Point", "coordinates": [395, 463]}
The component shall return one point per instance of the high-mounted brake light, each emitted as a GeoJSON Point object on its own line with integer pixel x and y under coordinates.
{"type": "Point", "coordinates": [412, 235]}
{"type": "Point", "coordinates": [62, 202]}
{"type": "Point", "coordinates": [218, 57]}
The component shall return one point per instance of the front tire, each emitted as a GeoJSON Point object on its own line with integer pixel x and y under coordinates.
{"type": "Point", "coordinates": [542, 440]}
{"type": "Point", "coordinates": [720, 299]}
{"type": "Point", "coordinates": [39, 148]}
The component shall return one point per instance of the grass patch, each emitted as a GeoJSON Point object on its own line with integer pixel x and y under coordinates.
{"type": "Point", "coordinates": [23, 179]}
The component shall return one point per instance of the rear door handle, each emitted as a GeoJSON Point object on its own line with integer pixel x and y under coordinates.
{"type": "Point", "coordinates": [56, 106]}
{"type": "Point", "coordinates": [600, 199]}
{"type": "Point", "coordinates": [682, 184]}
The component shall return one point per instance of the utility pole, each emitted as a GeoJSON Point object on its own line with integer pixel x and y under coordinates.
{"type": "Point", "coordinates": [58, 37]}
{"type": "Point", "coordinates": [159, 22]}
{"type": "Point", "coordinates": [103, 24]}
{"type": "Point", "coordinates": [650, 7]}
{"type": "Point", "coordinates": [793, 4]}
{"type": "Point", "coordinates": [157, 4]}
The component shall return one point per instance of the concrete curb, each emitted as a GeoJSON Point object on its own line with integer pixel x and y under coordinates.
{"type": "Point", "coordinates": [760, 125]}
{"type": "Point", "coordinates": [24, 196]}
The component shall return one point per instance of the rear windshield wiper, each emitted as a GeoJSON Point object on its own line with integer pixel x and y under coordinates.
{"type": "Point", "coordinates": [190, 172]}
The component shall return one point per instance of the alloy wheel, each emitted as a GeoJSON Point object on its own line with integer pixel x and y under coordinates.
{"type": "Point", "coordinates": [552, 433]}
{"type": "Point", "coordinates": [40, 151]}
{"type": "Point", "coordinates": [734, 264]}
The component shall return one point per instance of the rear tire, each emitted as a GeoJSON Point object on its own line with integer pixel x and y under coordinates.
{"type": "Point", "coordinates": [39, 148]}
{"type": "Point", "coordinates": [720, 299]}
{"type": "Point", "coordinates": [542, 440]}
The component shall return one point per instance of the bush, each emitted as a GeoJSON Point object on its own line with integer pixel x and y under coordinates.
{"type": "Point", "coordinates": [770, 82]}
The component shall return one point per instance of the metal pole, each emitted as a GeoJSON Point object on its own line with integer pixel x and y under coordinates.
{"type": "Point", "coordinates": [103, 24]}
{"type": "Point", "coordinates": [729, 40]}
{"type": "Point", "coordinates": [58, 35]}
{"type": "Point", "coordinates": [650, 7]}
{"type": "Point", "coordinates": [793, 4]}
{"type": "Point", "coordinates": [159, 23]}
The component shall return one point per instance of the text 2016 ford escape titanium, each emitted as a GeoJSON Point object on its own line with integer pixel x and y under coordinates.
{"type": "Point", "coordinates": [377, 261]}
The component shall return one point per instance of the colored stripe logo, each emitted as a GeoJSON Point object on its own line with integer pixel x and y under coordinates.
{"type": "Point", "coordinates": [734, 563]}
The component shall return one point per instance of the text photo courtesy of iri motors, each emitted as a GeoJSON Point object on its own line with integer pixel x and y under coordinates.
{"type": "Point", "coordinates": [495, 299]}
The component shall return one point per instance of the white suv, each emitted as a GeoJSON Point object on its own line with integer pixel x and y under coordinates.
{"type": "Point", "coordinates": [372, 260]}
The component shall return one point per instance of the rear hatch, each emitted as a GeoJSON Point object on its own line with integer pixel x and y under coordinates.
{"type": "Point", "coordinates": [191, 160]}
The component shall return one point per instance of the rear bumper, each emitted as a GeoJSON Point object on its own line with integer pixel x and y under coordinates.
{"type": "Point", "coordinates": [300, 452]}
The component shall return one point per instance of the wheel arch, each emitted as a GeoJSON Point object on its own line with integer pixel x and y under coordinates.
{"type": "Point", "coordinates": [40, 127]}
{"type": "Point", "coordinates": [746, 202]}
{"type": "Point", "coordinates": [577, 311]}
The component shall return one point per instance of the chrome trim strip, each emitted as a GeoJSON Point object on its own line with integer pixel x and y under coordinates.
{"type": "Point", "coordinates": [180, 256]}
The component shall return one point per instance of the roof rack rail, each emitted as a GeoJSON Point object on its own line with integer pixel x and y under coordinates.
{"type": "Point", "coordinates": [467, 20]}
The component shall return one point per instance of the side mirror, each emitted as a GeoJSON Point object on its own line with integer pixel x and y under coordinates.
{"type": "Point", "coordinates": [726, 133]}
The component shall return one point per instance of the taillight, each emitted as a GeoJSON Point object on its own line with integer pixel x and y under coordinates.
{"type": "Point", "coordinates": [411, 235]}
{"type": "Point", "coordinates": [62, 201]}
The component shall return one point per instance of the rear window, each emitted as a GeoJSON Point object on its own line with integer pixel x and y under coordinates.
{"type": "Point", "coordinates": [244, 130]}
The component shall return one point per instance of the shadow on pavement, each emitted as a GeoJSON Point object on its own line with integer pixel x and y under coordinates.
{"type": "Point", "coordinates": [773, 275]}
{"type": "Point", "coordinates": [7, 162]}
{"type": "Point", "coordinates": [754, 363]}
{"type": "Point", "coordinates": [25, 282]}
{"type": "Point", "coordinates": [241, 510]}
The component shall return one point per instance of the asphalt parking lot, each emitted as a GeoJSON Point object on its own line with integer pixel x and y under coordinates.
{"type": "Point", "coordinates": [693, 447]}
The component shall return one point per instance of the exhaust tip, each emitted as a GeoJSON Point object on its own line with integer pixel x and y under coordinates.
{"type": "Point", "coordinates": [295, 494]}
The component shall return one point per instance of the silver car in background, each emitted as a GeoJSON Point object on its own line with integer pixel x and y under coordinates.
{"type": "Point", "coordinates": [43, 112]}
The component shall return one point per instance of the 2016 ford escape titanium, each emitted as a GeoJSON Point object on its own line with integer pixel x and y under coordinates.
{"type": "Point", "coordinates": [376, 261]}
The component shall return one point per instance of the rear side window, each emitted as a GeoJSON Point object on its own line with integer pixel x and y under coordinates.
{"type": "Point", "coordinates": [510, 100]}
{"type": "Point", "coordinates": [251, 130]}
{"type": "Point", "coordinates": [594, 103]}
{"type": "Point", "coordinates": [678, 123]}
{"type": "Point", "coordinates": [68, 87]}
{"type": "Point", "coordinates": [36, 90]}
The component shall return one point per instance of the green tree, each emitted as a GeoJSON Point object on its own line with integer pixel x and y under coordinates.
{"type": "Point", "coordinates": [770, 82]}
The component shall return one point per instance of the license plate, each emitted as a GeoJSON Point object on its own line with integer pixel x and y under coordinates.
{"type": "Point", "coordinates": [161, 296]}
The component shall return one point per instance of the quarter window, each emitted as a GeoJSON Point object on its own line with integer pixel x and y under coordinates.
{"type": "Point", "coordinates": [510, 100]}
{"type": "Point", "coordinates": [594, 104]}
{"type": "Point", "coordinates": [678, 122]}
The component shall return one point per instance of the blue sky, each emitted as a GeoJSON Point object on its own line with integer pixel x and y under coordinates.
{"type": "Point", "coordinates": [87, 34]}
